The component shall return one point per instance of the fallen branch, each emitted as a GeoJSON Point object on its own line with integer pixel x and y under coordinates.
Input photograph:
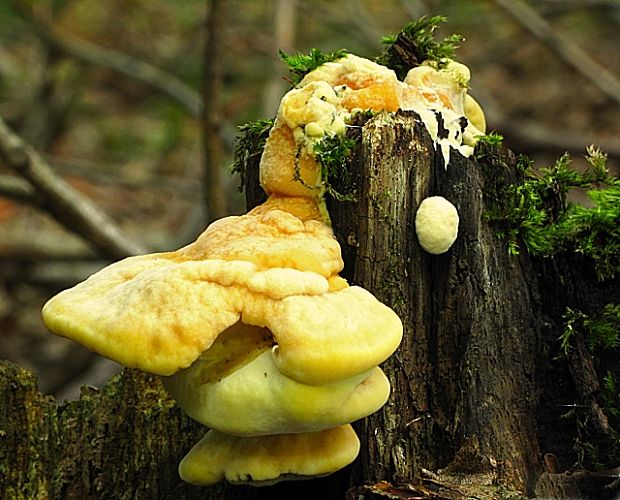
{"type": "Point", "coordinates": [530, 136]}
{"type": "Point", "coordinates": [17, 189]}
{"type": "Point", "coordinates": [570, 53]}
{"type": "Point", "coordinates": [61, 201]}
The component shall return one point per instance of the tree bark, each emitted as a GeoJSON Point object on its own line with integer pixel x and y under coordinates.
{"type": "Point", "coordinates": [470, 380]}
{"type": "Point", "coordinates": [464, 376]}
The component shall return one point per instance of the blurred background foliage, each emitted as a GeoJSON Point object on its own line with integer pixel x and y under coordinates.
{"type": "Point", "coordinates": [110, 93]}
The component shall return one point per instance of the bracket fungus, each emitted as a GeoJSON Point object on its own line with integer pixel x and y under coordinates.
{"type": "Point", "coordinates": [251, 328]}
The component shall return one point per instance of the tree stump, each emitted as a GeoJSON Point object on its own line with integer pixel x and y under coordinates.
{"type": "Point", "coordinates": [119, 442]}
{"type": "Point", "coordinates": [468, 381]}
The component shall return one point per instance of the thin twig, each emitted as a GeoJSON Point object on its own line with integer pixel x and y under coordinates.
{"type": "Point", "coordinates": [569, 52]}
{"type": "Point", "coordinates": [61, 201]}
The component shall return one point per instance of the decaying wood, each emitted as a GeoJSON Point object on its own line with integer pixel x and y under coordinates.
{"type": "Point", "coordinates": [119, 442]}
{"type": "Point", "coordinates": [463, 377]}
{"type": "Point", "coordinates": [463, 417]}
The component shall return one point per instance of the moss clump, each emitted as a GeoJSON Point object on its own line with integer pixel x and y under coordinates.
{"type": "Point", "coordinates": [332, 153]}
{"type": "Point", "coordinates": [248, 145]}
{"type": "Point", "coordinates": [600, 332]}
{"type": "Point", "coordinates": [416, 43]}
{"type": "Point", "coordinates": [492, 141]}
{"type": "Point", "coordinates": [301, 64]}
{"type": "Point", "coordinates": [534, 214]}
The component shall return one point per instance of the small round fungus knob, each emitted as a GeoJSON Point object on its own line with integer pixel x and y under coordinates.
{"type": "Point", "coordinates": [474, 113]}
{"type": "Point", "coordinates": [436, 224]}
{"type": "Point", "coordinates": [313, 129]}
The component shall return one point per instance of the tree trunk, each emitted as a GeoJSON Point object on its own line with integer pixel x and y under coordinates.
{"type": "Point", "coordinates": [471, 379]}
{"type": "Point", "coordinates": [464, 388]}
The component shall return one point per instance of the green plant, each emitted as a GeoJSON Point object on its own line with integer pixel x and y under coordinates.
{"type": "Point", "coordinates": [301, 64]}
{"type": "Point", "coordinates": [332, 153]}
{"type": "Point", "coordinates": [534, 212]}
{"type": "Point", "coordinates": [611, 395]}
{"type": "Point", "coordinates": [416, 43]}
{"type": "Point", "coordinates": [490, 140]}
{"type": "Point", "coordinates": [602, 331]}
{"type": "Point", "coordinates": [248, 145]}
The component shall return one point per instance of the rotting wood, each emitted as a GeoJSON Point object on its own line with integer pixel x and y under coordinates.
{"type": "Point", "coordinates": [118, 442]}
{"type": "Point", "coordinates": [463, 377]}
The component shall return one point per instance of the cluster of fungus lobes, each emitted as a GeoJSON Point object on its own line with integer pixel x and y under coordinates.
{"type": "Point", "coordinates": [251, 328]}
{"type": "Point", "coordinates": [327, 98]}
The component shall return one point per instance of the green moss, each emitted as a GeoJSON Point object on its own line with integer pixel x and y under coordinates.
{"type": "Point", "coordinates": [601, 332]}
{"type": "Point", "coordinates": [533, 213]}
{"type": "Point", "coordinates": [333, 153]}
{"type": "Point", "coordinates": [492, 141]}
{"type": "Point", "coordinates": [416, 43]}
{"type": "Point", "coordinates": [301, 64]}
{"type": "Point", "coordinates": [248, 145]}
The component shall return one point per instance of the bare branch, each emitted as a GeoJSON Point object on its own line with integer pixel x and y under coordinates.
{"type": "Point", "coordinates": [529, 135]}
{"type": "Point", "coordinates": [570, 53]}
{"type": "Point", "coordinates": [17, 189]}
{"type": "Point", "coordinates": [123, 63]}
{"type": "Point", "coordinates": [67, 206]}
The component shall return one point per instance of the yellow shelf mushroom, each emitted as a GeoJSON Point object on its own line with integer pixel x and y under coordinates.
{"type": "Point", "coordinates": [251, 327]}
{"type": "Point", "coordinates": [265, 460]}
